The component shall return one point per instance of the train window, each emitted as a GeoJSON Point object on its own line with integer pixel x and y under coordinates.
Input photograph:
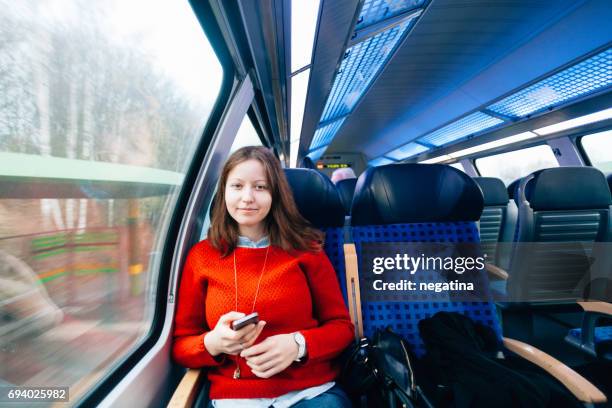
{"type": "Point", "coordinates": [458, 166]}
{"type": "Point", "coordinates": [516, 164]}
{"type": "Point", "coordinates": [102, 107]}
{"type": "Point", "coordinates": [247, 135]}
{"type": "Point", "coordinates": [598, 148]}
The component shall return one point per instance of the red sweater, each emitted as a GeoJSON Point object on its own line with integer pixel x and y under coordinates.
{"type": "Point", "coordinates": [298, 292]}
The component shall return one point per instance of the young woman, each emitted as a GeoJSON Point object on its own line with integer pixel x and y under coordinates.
{"type": "Point", "coordinates": [261, 256]}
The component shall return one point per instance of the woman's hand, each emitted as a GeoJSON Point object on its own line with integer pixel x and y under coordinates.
{"type": "Point", "coordinates": [222, 339]}
{"type": "Point", "coordinates": [272, 355]}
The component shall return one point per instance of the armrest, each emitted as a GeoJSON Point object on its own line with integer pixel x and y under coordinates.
{"type": "Point", "coordinates": [187, 390]}
{"type": "Point", "coordinates": [496, 272]}
{"type": "Point", "coordinates": [597, 307]}
{"type": "Point", "coordinates": [582, 389]}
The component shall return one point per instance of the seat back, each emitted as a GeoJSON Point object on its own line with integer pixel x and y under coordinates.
{"type": "Point", "coordinates": [319, 202]}
{"type": "Point", "coordinates": [498, 220]}
{"type": "Point", "coordinates": [563, 211]}
{"type": "Point", "coordinates": [346, 188]}
{"type": "Point", "coordinates": [416, 203]}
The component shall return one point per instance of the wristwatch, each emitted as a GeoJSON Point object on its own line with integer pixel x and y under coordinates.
{"type": "Point", "coordinates": [301, 342]}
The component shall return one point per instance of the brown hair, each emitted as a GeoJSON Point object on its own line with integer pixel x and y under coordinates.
{"type": "Point", "coordinates": [284, 223]}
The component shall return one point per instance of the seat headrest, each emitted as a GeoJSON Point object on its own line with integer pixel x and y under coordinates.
{"type": "Point", "coordinates": [568, 188]}
{"type": "Point", "coordinates": [409, 193]}
{"type": "Point", "coordinates": [307, 163]}
{"type": "Point", "coordinates": [493, 189]}
{"type": "Point", "coordinates": [610, 181]}
{"type": "Point", "coordinates": [346, 188]}
{"type": "Point", "coordinates": [512, 189]}
{"type": "Point", "coordinates": [316, 197]}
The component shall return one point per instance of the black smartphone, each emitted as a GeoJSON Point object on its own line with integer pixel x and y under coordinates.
{"type": "Point", "coordinates": [253, 318]}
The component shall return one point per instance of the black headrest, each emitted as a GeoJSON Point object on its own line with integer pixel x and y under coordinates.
{"type": "Point", "coordinates": [408, 192]}
{"type": "Point", "coordinates": [307, 163]}
{"type": "Point", "coordinates": [512, 188]}
{"type": "Point", "coordinates": [493, 189]}
{"type": "Point", "coordinates": [316, 197]}
{"type": "Point", "coordinates": [568, 188]}
{"type": "Point", "coordinates": [346, 188]}
{"type": "Point", "coordinates": [610, 181]}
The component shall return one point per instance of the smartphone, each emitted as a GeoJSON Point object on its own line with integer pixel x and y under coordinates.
{"type": "Point", "coordinates": [253, 318]}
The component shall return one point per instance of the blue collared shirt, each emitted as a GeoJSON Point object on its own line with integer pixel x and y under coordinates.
{"type": "Point", "coordinates": [246, 242]}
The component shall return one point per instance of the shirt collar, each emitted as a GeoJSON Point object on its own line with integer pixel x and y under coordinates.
{"type": "Point", "coordinates": [245, 242]}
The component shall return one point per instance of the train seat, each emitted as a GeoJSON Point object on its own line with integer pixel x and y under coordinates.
{"type": "Point", "coordinates": [562, 212]}
{"type": "Point", "coordinates": [319, 202]}
{"type": "Point", "coordinates": [441, 207]}
{"type": "Point", "coordinates": [497, 221]}
{"type": "Point", "coordinates": [346, 188]}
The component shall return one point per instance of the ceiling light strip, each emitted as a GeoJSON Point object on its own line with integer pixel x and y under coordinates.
{"type": "Point", "coordinates": [587, 77]}
{"type": "Point", "coordinates": [380, 161]}
{"type": "Point", "coordinates": [362, 64]}
{"type": "Point", "coordinates": [375, 11]}
{"type": "Point", "coordinates": [466, 126]}
{"type": "Point", "coordinates": [324, 135]}
{"type": "Point", "coordinates": [406, 151]}
{"type": "Point", "coordinates": [316, 154]}
{"type": "Point", "coordinates": [573, 123]}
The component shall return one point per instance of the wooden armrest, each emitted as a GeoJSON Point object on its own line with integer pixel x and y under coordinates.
{"type": "Point", "coordinates": [185, 394]}
{"type": "Point", "coordinates": [496, 272]}
{"type": "Point", "coordinates": [597, 307]}
{"type": "Point", "coordinates": [574, 382]}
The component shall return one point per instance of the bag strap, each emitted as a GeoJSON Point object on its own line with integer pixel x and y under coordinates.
{"type": "Point", "coordinates": [352, 287]}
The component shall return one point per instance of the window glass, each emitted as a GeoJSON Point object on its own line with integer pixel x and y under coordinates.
{"type": "Point", "coordinates": [516, 164]}
{"type": "Point", "coordinates": [598, 148]}
{"type": "Point", "coordinates": [101, 106]}
{"type": "Point", "coordinates": [458, 166]}
{"type": "Point", "coordinates": [247, 135]}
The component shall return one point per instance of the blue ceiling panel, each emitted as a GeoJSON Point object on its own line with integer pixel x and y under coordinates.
{"type": "Point", "coordinates": [587, 77]}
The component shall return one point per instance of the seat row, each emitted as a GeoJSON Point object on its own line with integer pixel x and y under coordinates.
{"type": "Point", "coordinates": [414, 203]}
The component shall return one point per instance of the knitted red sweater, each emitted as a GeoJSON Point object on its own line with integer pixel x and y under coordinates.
{"type": "Point", "coordinates": [298, 292]}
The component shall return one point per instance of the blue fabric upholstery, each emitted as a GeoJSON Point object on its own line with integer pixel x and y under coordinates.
{"type": "Point", "coordinates": [602, 334]}
{"type": "Point", "coordinates": [334, 248]}
{"type": "Point", "coordinates": [417, 203]}
{"type": "Point", "coordinates": [403, 317]}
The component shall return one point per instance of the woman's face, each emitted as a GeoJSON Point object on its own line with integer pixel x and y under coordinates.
{"type": "Point", "coordinates": [248, 197]}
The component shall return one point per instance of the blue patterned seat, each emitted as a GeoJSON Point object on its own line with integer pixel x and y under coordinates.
{"type": "Point", "coordinates": [415, 203]}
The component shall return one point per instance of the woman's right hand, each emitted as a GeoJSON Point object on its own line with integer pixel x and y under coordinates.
{"type": "Point", "coordinates": [223, 339]}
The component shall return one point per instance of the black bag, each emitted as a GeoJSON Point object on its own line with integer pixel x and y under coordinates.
{"type": "Point", "coordinates": [380, 373]}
